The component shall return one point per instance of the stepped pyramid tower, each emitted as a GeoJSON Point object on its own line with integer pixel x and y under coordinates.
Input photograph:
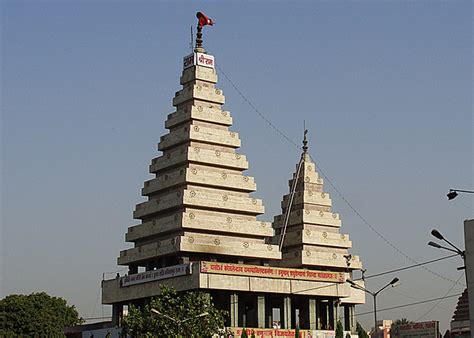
{"type": "Point", "coordinates": [199, 203]}
{"type": "Point", "coordinates": [198, 228]}
{"type": "Point", "coordinates": [311, 237]}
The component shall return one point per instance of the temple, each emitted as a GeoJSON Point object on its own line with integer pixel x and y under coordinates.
{"type": "Point", "coordinates": [198, 228]}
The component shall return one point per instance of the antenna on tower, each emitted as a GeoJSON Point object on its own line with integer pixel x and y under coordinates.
{"type": "Point", "coordinates": [191, 43]}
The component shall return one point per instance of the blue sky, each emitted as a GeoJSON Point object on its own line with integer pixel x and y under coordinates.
{"type": "Point", "coordinates": [385, 89]}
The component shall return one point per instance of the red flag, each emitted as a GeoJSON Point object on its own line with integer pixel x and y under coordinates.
{"type": "Point", "coordinates": [203, 19]}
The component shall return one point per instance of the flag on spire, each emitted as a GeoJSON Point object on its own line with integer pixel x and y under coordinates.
{"type": "Point", "coordinates": [204, 19]}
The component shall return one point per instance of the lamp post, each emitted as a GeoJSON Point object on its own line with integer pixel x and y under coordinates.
{"type": "Point", "coordinates": [454, 192]}
{"type": "Point", "coordinates": [374, 294]}
{"type": "Point", "coordinates": [454, 248]}
{"type": "Point", "coordinates": [177, 321]}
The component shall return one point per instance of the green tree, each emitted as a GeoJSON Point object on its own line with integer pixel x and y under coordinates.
{"type": "Point", "coordinates": [397, 323]}
{"type": "Point", "coordinates": [36, 315]}
{"type": "Point", "coordinates": [361, 331]}
{"type": "Point", "coordinates": [244, 333]}
{"type": "Point", "coordinates": [339, 330]}
{"type": "Point", "coordinates": [348, 335]}
{"type": "Point", "coordinates": [178, 315]}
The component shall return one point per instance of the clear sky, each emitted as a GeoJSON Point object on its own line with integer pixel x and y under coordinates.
{"type": "Point", "coordinates": [385, 88]}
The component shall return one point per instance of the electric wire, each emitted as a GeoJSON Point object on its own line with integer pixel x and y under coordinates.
{"type": "Point", "coordinates": [406, 267]}
{"type": "Point", "coordinates": [409, 304]}
{"type": "Point", "coordinates": [338, 192]}
{"type": "Point", "coordinates": [439, 301]}
{"type": "Point", "coordinates": [418, 300]}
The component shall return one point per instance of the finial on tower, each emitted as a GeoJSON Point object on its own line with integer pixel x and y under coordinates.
{"type": "Point", "coordinates": [203, 20]}
{"type": "Point", "coordinates": [305, 142]}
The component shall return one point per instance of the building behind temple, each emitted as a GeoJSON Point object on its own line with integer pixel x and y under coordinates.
{"type": "Point", "coordinates": [198, 228]}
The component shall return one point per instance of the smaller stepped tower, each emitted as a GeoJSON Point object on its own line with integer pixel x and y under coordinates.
{"type": "Point", "coordinates": [312, 238]}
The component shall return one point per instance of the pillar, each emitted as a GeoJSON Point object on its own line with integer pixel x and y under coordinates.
{"type": "Point", "coordinates": [117, 314]}
{"type": "Point", "coordinates": [352, 318]}
{"type": "Point", "coordinates": [261, 311]}
{"type": "Point", "coordinates": [287, 312]}
{"type": "Point", "coordinates": [313, 314]}
{"type": "Point", "coordinates": [234, 310]}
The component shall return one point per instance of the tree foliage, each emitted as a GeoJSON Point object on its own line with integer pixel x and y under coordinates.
{"type": "Point", "coordinates": [179, 316]}
{"type": "Point", "coordinates": [361, 331]}
{"type": "Point", "coordinates": [37, 314]}
{"type": "Point", "coordinates": [339, 330]}
{"type": "Point", "coordinates": [397, 323]}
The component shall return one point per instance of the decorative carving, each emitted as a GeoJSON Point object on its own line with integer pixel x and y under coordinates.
{"type": "Point", "coordinates": [320, 181]}
{"type": "Point", "coordinates": [218, 92]}
{"type": "Point", "coordinates": [200, 108]}
{"type": "Point", "coordinates": [232, 134]}
{"type": "Point", "coordinates": [309, 168]}
{"type": "Point", "coordinates": [218, 153]}
{"type": "Point", "coordinates": [334, 215]}
{"type": "Point", "coordinates": [245, 178]}
{"type": "Point", "coordinates": [192, 215]}
{"type": "Point", "coordinates": [334, 256]}
{"type": "Point", "coordinates": [191, 239]}
{"type": "Point", "coordinates": [229, 219]}
{"type": "Point", "coordinates": [196, 149]}
{"type": "Point", "coordinates": [307, 179]}
{"type": "Point", "coordinates": [224, 175]}
{"type": "Point", "coordinates": [246, 245]}
{"type": "Point", "coordinates": [308, 253]}
{"type": "Point", "coordinates": [343, 236]}
{"type": "Point", "coordinates": [307, 212]}
{"type": "Point", "coordinates": [238, 156]}
{"type": "Point", "coordinates": [196, 128]}
{"type": "Point", "coordinates": [263, 224]}
{"type": "Point", "coordinates": [269, 247]}
{"type": "Point", "coordinates": [194, 171]}
{"type": "Point", "coordinates": [217, 241]}
{"type": "Point", "coordinates": [308, 232]}
{"type": "Point", "coordinates": [323, 195]}
{"type": "Point", "coordinates": [225, 198]}
{"type": "Point", "coordinates": [321, 213]}
{"type": "Point", "coordinates": [254, 201]}
{"type": "Point", "coordinates": [192, 193]}
{"type": "Point", "coordinates": [325, 234]}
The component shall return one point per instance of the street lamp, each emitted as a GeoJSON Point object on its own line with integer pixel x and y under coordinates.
{"type": "Point", "coordinates": [454, 192]}
{"type": "Point", "coordinates": [177, 321]}
{"type": "Point", "coordinates": [454, 248]}
{"type": "Point", "coordinates": [374, 294]}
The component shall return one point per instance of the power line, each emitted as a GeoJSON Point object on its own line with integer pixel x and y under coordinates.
{"type": "Point", "coordinates": [289, 140]}
{"type": "Point", "coordinates": [407, 267]}
{"type": "Point", "coordinates": [410, 304]}
{"type": "Point", "coordinates": [439, 301]}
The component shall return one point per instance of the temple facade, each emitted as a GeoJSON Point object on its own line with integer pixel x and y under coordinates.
{"type": "Point", "coordinates": [198, 228]}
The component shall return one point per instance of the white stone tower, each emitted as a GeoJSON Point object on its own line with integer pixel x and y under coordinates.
{"type": "Point", "coordinates": [312, 238]}
{"type": "Point", "coordinates": [199, 204]}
